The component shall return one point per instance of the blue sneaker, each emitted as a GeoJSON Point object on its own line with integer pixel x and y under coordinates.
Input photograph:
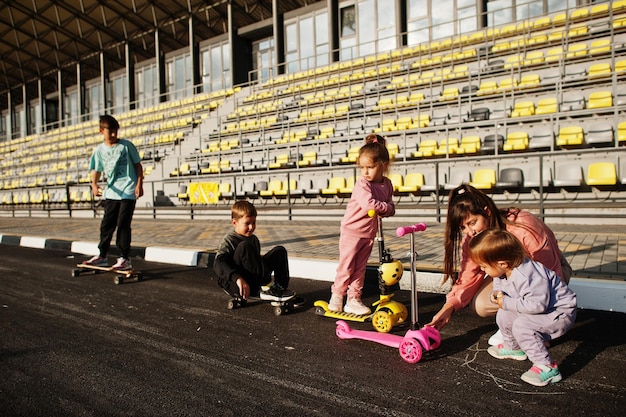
{"type": "Point", "coordinates": [542, 375]}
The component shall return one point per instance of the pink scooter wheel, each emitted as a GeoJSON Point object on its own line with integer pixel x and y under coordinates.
{"type": "Point", "coordinates": [410, 350]}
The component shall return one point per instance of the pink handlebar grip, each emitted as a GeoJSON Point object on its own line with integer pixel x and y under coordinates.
{"type": "Point", "coordinates": [419, 227]}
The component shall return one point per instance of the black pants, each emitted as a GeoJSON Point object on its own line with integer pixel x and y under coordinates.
{"type": "Point", "coordinates": [257, 270]}
{"type": "Point", "coordinates": [117, 214]}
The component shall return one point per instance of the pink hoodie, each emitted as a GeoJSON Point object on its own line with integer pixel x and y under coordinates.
{"type": "Point", "coordinates": [367, 196]}
{"type": "Point", "coordinates": [536, 237]}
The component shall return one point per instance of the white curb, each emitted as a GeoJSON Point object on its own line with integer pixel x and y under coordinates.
{"type": "Point", "coordinates": [172, 256]}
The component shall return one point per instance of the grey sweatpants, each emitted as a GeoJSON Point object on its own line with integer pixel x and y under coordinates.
{"type": "Point", "coordinates": [529, 331]}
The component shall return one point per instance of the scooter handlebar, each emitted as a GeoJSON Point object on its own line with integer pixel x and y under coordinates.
{"type": "Point", "coordinates": [418, 227]}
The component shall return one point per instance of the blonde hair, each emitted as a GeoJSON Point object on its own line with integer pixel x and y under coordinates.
{"type": "Point", "coordinates": [241, 209]}
{"type": "Point", "coordinates": [495, 245]}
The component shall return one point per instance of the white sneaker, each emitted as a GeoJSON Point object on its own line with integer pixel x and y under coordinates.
{"type": "Point", "coordinates": [97, 261]}
{"type": "Point", "coordinates": [122, 264]}
{"type": "Point", "coordinates": [356, 306]}
{"type": "Point", "coordinates": [496, 339]}
{"type": "Point", "coordinates": [336, 303]}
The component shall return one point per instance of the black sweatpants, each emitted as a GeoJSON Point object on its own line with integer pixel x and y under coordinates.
{"type": "Point", "coordinates": [118, 214]}
{"type": "Point", "coordinates": [257, 270]}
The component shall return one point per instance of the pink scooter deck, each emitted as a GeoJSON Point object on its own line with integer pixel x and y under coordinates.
{"type": "Point", "coordinates": [410, 346]}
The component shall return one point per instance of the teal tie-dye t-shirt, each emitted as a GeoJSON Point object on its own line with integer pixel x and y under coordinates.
{"type": "Point", "coordinates": [117, 163]}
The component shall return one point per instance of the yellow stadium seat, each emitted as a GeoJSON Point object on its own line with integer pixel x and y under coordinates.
{"type": "Point", "coordinates": [513, 61]}
{"type": "Point", "coordinates": [523, 109]}
{"type": "Point", "coordinates": [415, 98]}
{"type": "Point", "coordinates": [547, 106]}
{"type": "Point", "coordinates": [335, 184]}
{"type": "Point", "coordinates": [422, 120]}
{"type": "Point", "coordinates": [501, 46]}
{"type": "Point", "coordinates": [601, 70]}
{"type": "Point", "coordinates": [404, 123]}
{"type": "Point", "coordinates": [412, 183]}
{"type": "Point", "coordinates": [580, 14]}
{"type": "Point", "coordinates": [619, 6]}
{"type": "Point", "coordinates": [541, 22]}
{"type": "Point", "coordinates": [600, 99]}
{"type": "Point", "coordinates": [570, 136]}
{"type": "Point", "coordinates": [529, 81]}
{"type": "Point", "coordinates": [384, 104]}
{"type": "Point", "coordinates": [576, 50]}
{"type": "Point", "coordinates": [554, 54]}
{"type": "Point", "coordinates": [387, 125]}
{"type": "Point", "coordinates": [393, 149]}
{"type": "Point", "coordinates": [447, 147]}
{"type": "Point", "coordinates": [484, 179]}
{"type": "Point", "coordinates": [402, 101]}
{"type": "Point", "coordinates": [469, 145]}
{"type": "Point", "coordinates": [487, 87]}
{"type": "Point", "coordinates": [601, 173]}
{"type": "Point", "coordinates": [353, 154]}
{"type": "Point", "coordinates": [450, 93]}
{"type": "Point", "coordinates": [273, 187]}
{"type": "Point", "coordinates": [280, 161]}
{"type": "Point", "coordinates": [556, 35]}
{"type": "Point", "coordinates": [347, 189]}
{"type": "Point", "coordinates": [223, 190]}
{"type": "Point", "coordinates": [396, 181]}
{"type": "Point", "coordinates": [288, 188]}
{"type": "Point", "coordinates": [427, 149]}
{"type": "Point", "coordinates": [600, 46]}
{"type": "Point", "coordinates": [533, 58]}
{"type": "Point", "coordinates": [579, 30]}
{"type": "Point", "coordinates": [621, 133]}
{"type": "Point", "coordinates": [599, 9]}
{"type": "Point", "coordinates": [538, 39]}
{"type": "Point", "coordinates": [516, 141]}
{"type": "Point", "coordinates": [308, 159]}
{"type": "Point", "coordinates": [507, 84]}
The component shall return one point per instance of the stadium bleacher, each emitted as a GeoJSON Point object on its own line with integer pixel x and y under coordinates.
{"type": "Point", "coordinates": [483, 108]}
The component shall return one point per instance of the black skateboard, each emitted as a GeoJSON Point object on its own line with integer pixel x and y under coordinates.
{"type": "Point", "coordinates": [280, 307]}
{"type": "Point", "coordinates": [120, 277]}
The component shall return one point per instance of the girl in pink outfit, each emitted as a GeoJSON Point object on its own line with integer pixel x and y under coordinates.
{"type": "Point", "coordinates": [372, 191]}
{"type": "Point", "coordinates": [470, 211]}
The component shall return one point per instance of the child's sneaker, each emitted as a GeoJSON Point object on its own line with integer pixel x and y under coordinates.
{"type": "Point", "coordinates": [122, 264]}
{"type": "Point", "coordinates": [276, 292]}
{"type": "Point", "coordinates": [97, 261]}
{"type": "Point", "coordinates": [542, 375]}
{"type": "Point", "coordinates": [496, 339]}
{"type": "Point", "coordinates": [355, 306]}
{"type": "Point", "coordinates": [500, 352]}
{"type": "Point", "coordinates": [336, 303]}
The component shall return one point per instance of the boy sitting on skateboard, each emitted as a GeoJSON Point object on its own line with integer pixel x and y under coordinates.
{"type": "Point", "coordinates": [239, 265]}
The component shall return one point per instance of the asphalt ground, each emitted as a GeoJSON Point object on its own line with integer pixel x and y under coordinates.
{"type": "Point", "coordinates": [168, 346]}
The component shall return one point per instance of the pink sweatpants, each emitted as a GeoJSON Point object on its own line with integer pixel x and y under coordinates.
{"type": "Point", "coordinates": [353, 255]}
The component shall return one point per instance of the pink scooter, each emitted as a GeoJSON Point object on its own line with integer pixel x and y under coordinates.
{"type": "Point", "coordinates": [414, 341]}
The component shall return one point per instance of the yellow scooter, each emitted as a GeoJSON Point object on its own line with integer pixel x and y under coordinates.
{"type": "Point", "coordinates": [387, 312]}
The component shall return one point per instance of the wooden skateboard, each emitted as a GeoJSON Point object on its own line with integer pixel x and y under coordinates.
{"type": "Point", "coordinates": [121, 275]}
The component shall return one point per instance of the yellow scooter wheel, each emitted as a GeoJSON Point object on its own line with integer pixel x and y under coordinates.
{"type": "Point", "coordinates": [383, 321]}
